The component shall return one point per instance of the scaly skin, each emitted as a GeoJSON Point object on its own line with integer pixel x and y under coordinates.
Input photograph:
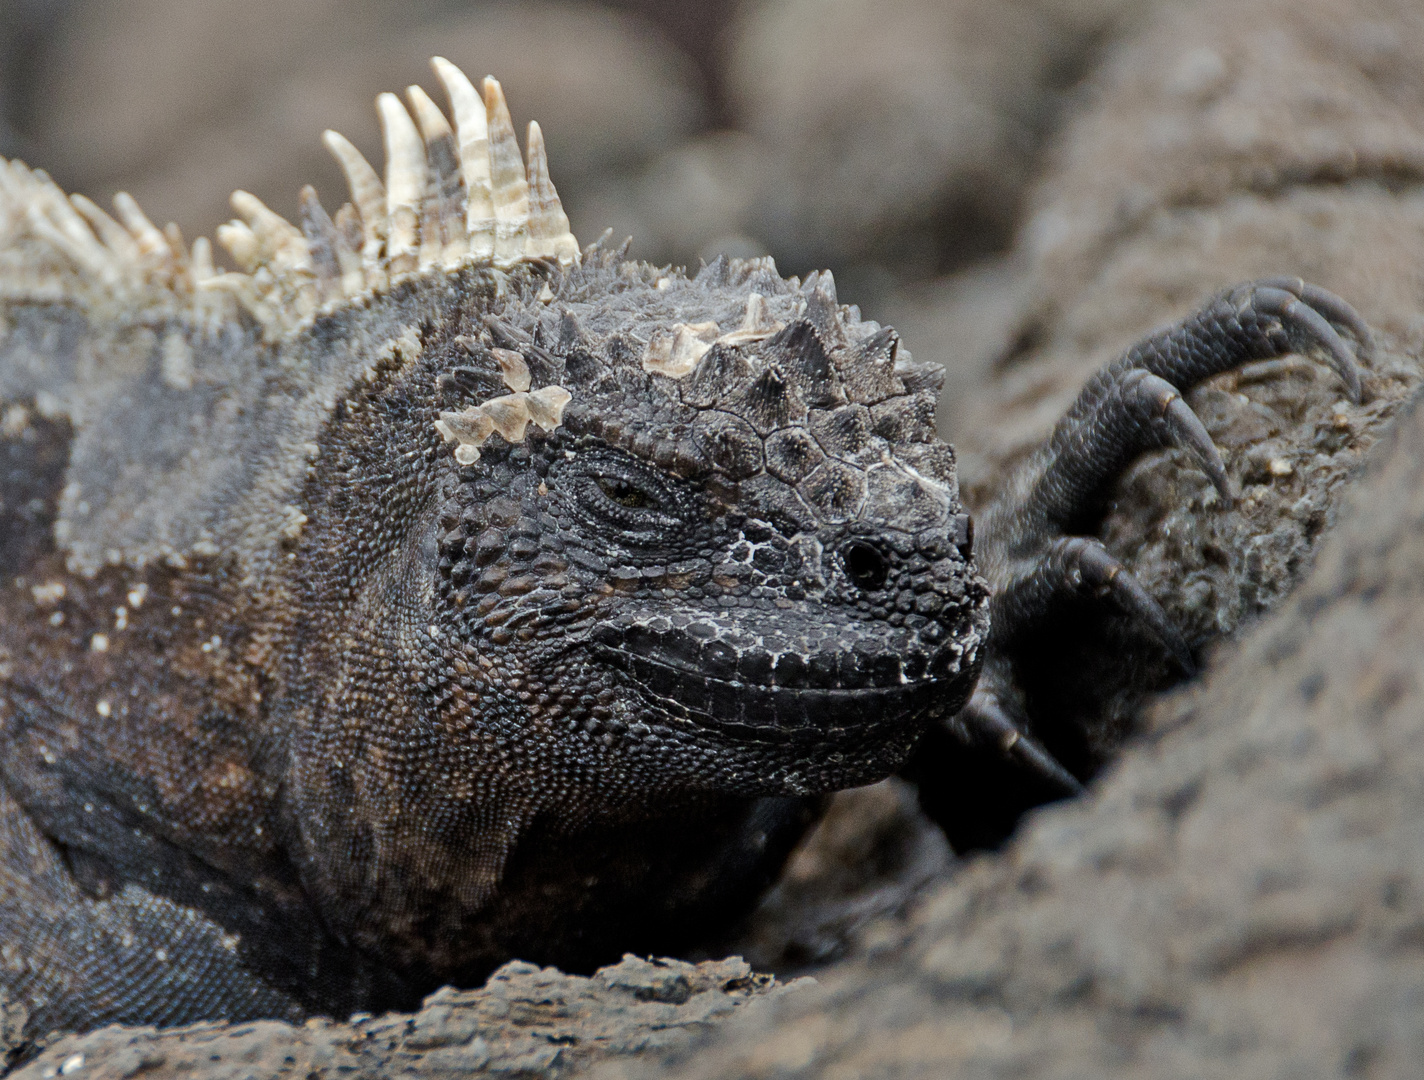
{"type": "Point", "coordinates": [564, 702]}
{"type": "Point", "coordinates": [305, 710]}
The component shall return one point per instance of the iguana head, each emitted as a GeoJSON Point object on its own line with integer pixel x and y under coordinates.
{"type": "Point", "coordinates": [695, 532]}
{"type": "Point", "coordinates": [739, 558]}
{"type": "Point", "coordinates": [700, 528]}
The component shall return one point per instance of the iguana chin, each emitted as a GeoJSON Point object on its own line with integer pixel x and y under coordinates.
{"type": "Point", "coordinates": [431, 591]}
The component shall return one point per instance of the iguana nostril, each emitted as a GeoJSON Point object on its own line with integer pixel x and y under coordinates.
{"type": "Point", "coordinates": [865, 565]}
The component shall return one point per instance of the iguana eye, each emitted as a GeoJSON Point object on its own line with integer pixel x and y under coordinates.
{"type": "Point", "coordinates": [624, 493]}
{"type": "Point", "coordinates": [623, 501]}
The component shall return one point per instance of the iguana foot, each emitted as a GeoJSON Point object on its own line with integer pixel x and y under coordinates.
{"type": "Point", "coordinates": [1034, 546]}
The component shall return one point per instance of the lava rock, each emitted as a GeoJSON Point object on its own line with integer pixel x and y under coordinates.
{"type": "Point", "coordinates": [1181, 176]}
{"type": "Point", "coordinates": [902, 132]}
{"type": "Point", "coordinates": [525, 1021]}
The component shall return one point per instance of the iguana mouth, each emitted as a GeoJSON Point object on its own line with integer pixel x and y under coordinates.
{"type": "Point", "coordinates": [792, 695]}
{"type": "Point", "coordinates": [790, 713]}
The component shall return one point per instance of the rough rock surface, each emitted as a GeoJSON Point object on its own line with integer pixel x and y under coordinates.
{"type": "Point", "coordinates": [886, 140]}
{"type": "Point", "coordinates": [525, 1021]}
{"type": "Point", "coordinates": [1225, 141]}
{"type": "Point", "coordinates": [902, 131]}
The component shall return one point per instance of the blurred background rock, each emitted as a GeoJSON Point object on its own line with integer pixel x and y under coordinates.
{"type": "Point", "coordinates": [890, 140]}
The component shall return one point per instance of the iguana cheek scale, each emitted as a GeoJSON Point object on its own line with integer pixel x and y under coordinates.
{"type": "Point", "coordinates": [429, 591]}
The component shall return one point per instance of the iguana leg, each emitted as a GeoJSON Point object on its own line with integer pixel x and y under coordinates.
{"type": "Point", "coordinates": [77, 959]}
{"type": "Point", "coordinates": [1033, 549]}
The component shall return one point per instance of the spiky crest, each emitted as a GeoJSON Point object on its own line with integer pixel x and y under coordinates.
{"type": "Point", "coordinates": [449, 197]}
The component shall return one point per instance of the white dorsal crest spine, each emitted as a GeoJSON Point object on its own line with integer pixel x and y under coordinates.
{"type": "Point", "coordinates": [509, 184]}
{"type": "Point", "coordinates": [451, 196]}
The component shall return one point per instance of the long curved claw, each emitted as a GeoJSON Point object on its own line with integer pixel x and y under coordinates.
{"type": "Point", "coordinates": [1335, 309]}
{"type": "Point", "coordinates": [1098, 570]}
{"type": "Point", "coordinates": [1310, 328]}
{"type": "Point", "coordinates": [1188, 432]}
{"type": "Point", "coordinates": [1107, 425]}
{"type": "Point", "coordinates": [985, 720]}
{"type": "Point", "coordinates": [1034, 543]}
{"type": "Point", "coordinates": [1184, 428]}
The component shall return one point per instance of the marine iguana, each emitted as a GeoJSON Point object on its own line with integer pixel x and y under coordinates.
{"type": "Point", "coordinates": [432, 591]}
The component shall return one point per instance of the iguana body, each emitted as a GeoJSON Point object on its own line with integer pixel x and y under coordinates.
{"type": "Point", "coordinates": [432, 592]}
